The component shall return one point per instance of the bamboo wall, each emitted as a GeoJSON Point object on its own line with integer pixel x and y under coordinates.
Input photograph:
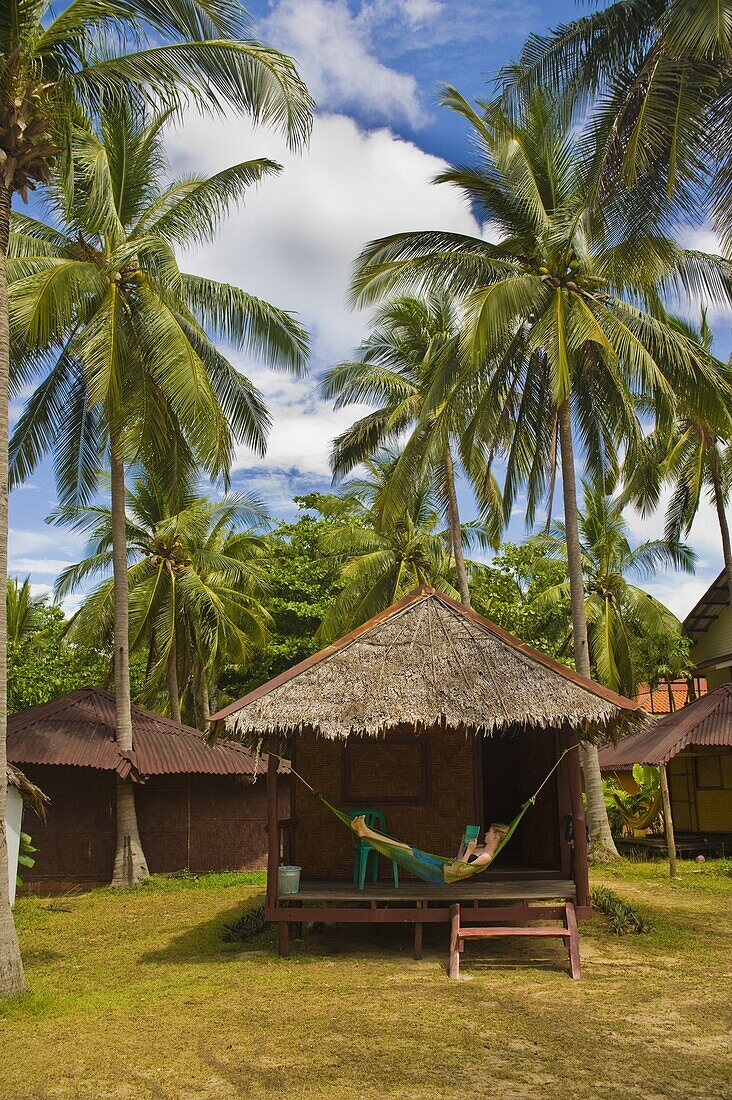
{"type": "Point", "coordinates": [700, 782]}
{"type": "Point", "coordinates": [384, 773]}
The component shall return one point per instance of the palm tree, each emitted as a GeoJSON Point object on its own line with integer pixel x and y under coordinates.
{"type": "Point", "coordinates": [99, 304]}
{"type": "Point", "coordinates": [25, 611]}
{"type": "Point", "coordinates": [402, 364]}
{"type": "Point", "coordinates": [694, 457]}
{"type": "Point", "coordinates": [381, 562]}
{"type": "Point", "coordinates": [655, 80]}
{"type": "Point", "coordinates": [56, 64]}
{"type": "Point", "coordinates": [556, 308]}
{"type": "Point", "coordinates": [195, 575]}
{"type": "Point", "coordinates": [619, 614]}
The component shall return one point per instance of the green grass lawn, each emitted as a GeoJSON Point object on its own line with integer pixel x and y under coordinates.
{"type": "Point", "coordinates": [134, 995]}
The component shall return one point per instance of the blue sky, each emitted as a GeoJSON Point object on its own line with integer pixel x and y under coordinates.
{"type": "Point", "coordinates": [375, 68]}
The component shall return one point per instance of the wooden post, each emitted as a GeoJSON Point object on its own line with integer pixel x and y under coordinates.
{"type": "Point", "coordinates": [283, 939]}
{"type": "Point", "coordinates": [579, 825]}
{"type": "Point", "coordinates": [453, 966]}
{"type": "Point", "coordinates": [418, 926]}
{"type": "Point", "coordinates": [570, 923]}
{"type": "Point", "coordinates": [668, 821]}
{"type": "Point", "coordinates": [273, 830]}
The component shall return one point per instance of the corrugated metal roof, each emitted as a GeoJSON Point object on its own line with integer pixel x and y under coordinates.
{"type": "Point", "coordinates": [706, 721]}
{"type": "Point", "coordinates": [79, 730]}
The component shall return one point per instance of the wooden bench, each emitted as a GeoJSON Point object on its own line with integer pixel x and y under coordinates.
{"type": "Point", "coordinates": [459, 934]}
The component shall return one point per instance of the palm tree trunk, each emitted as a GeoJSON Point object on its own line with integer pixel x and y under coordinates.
{"type": "Point", "coordinates": [130, 865]}
{"type": "Point", "coordinates": [723, 521]}
{"type": "Point", "coordinates": [453, 519]}
{"type": "Point", "coordinates": [205, 705]}
{"type": "Point", "coordinates": [11, 965]}
{"type": "Point", "coordinates": [171, 674]}
{"type": "Point", "coordinates": [603, 845]}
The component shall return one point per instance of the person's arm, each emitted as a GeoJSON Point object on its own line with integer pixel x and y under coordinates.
{"type": "Point", "coordinates": [470, 848]}
{"type": "Point", "coordinates": [484, 857]}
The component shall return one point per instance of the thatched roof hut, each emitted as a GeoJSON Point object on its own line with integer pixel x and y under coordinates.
{"type": "Point", "coordinates": [428, 661]}
{"type": "Point", "coordinates": [435, 719]}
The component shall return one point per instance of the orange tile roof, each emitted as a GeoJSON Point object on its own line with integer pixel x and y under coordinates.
{"type": "Point", "coordinates": [657, 701]}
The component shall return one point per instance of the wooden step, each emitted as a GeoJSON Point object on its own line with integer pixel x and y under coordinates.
{"type": "Point", "coordinates": [458, 936]}
{"type": "Point", "coordinates": [488, 932]}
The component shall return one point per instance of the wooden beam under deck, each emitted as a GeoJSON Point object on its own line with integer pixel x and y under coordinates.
{"type": "Point", "coordinates": [431, 915]}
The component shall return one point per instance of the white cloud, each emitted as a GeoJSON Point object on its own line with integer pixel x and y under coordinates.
{"type": "Point", "coordinates": [421, 11]}
{"type": "Point", "coordinates": [295, 242]}
{"type": "Point", "coordinates": [458, 32]}
{"type": "Point", "coordinates": [704, 536]}
{"type": "Point", "coordinates": [333, 49]}
{"type": "Point", "coordinates": [45, 566]}
{"type": "Point", "coordinates": [678, 590]}
{"type": "Point", "coordinates": [42, 553]}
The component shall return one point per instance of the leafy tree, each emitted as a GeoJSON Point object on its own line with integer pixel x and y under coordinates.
{"type": "Point", "coordinates": [196, 575]}
{"type": "Point", "coordinates": [508, 592]}
{"type": "Point", "coordinates": [381, 561]}
{"type": "Point", "coordinates": [619, 614]}
{"type": "Point", "coordinates": [302, 583]}
{"type": "Point", "coordinates": [412, 347]}
{"type": "Point", "coordinates": [44, 664]}
{"type": "Point", "coordinates": [664, 658]}
{"type": "Point", "coordinates": [556, 310]}
{"type": "Point", "coordinates": [654, 81]}
{"type": "Point", "coordinates": [99, 304]}
{"type": "Point", "coordinates": [55, 65]}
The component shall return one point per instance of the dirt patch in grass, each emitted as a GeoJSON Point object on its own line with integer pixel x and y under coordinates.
{"type": "Point", "coordinates": [134, 995]}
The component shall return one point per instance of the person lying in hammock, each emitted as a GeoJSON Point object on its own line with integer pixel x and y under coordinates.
{"type": "Point", "coordinates": [474, 853]}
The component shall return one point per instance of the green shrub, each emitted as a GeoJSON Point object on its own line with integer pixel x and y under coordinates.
{"type": "Point", "coordinates": [623, 918]}
{"type": "Point", "coordinates": [244, 927]}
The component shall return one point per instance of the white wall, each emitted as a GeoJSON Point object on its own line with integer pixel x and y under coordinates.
{"type": "Point", "coordinates": [13, 821]}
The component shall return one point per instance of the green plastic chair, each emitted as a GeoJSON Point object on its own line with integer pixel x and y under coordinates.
{"type": "Point", "coordinates": [362, 849]}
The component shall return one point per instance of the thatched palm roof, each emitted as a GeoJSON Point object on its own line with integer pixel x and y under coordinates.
{"type": "Point", "coordinates": [429, 661]}
{"type": "Point", "coordinates": [31, 794]}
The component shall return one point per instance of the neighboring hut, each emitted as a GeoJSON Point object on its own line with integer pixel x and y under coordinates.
{"type": "Point", "coordinates": [441, 719]}
{"type": "Point", "coordinates": [709, 625]}
{"type": "Point", "coordinates": [694, 745]}
{"type": "Point", "coordinates": [198, 807]}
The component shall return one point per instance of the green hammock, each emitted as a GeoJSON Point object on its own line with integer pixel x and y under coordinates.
{"type": "Point", "coordinates": [436, 870]}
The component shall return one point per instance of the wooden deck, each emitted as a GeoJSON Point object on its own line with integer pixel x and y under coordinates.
{"type": "Point", "coordinates": [496, 906]}
{"type": "Point", "coordinates": [411, 893]}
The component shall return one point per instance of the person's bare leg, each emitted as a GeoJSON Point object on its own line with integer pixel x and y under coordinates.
{"type": "Point", "coordinates": [358, 824]}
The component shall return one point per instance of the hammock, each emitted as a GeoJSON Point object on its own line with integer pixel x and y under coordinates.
{"type": "Point", "coordinates": [436, 870]}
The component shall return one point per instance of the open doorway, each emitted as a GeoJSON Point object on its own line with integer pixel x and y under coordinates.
{"type": "Point", "coordinates": [514, 764]}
